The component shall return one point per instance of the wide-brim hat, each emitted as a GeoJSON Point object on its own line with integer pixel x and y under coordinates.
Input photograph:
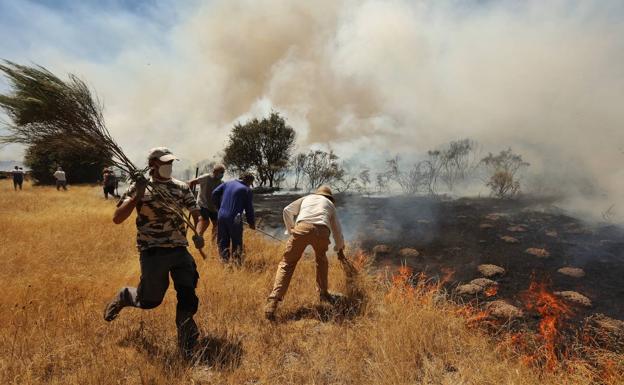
{"type": "Point", "coordinates": [161, 153]}
{"type": "Point", "coordinates": [326, 192]}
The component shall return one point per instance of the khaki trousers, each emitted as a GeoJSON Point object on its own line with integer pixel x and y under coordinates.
{"type": "Point", "coordinates": [303, 234]}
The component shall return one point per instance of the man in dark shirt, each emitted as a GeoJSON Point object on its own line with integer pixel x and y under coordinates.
{"type": "Point", "coordinates": [18, 178]}
{"type": "Point", "coordinates": [109, 182]}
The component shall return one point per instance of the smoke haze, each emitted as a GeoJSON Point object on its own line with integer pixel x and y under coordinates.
{"type": "Point", "coordinates": [366, 78]}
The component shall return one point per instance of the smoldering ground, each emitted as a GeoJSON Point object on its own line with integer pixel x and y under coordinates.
{"type": "Point", "coordinates": [453, 237]}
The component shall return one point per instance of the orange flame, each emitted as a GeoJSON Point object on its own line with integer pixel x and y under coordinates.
{"type": "Point", "coordinates": [491, 291]}
{"type": "Point", "coordinates": [472, 314]}
{"type": "Point", "coordinates": [359, 260]}
{"type": "Point", "coordinates": [609, 370]}
{"type": "Point", "coordinates": [448, 275]}
{"type": "Point", "coordinates": [407, 286]}
{"type": "Point", "coordinates": [553, 312]}
{"type": "Point", "coordinates": [402, 287]}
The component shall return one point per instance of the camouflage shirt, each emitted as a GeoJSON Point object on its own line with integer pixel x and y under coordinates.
{"type": "Point", "coordinates": [157, 225]}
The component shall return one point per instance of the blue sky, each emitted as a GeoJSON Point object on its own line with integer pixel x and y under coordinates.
{"type": "Point", "coordinates": [95, 30]}
{"type": "Point", "coordinates": [67, 35]}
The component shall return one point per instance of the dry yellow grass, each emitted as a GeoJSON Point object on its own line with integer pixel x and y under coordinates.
{"type": "Point", "coordinates": [62, 259]}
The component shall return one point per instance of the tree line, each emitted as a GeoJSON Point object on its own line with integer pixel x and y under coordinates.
{"type": "Point", "coordinates": [263, 146]}
{"type": "Point", "coordinates": [266, 147]}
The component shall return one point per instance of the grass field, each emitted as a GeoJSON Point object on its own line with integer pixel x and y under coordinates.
{"type": "Point", "coordinates": [62, 259]}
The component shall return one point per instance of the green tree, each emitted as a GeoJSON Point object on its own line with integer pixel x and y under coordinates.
{"type": "Point", "coordinates": [262, 146]}
{"type": "Point", "coordinates": [59, 122]}
{"type": "Point", "coordinates": [82, 164]}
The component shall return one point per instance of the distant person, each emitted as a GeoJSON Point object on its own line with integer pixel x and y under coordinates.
{"type": "Point", "coordinates": [315, 219]}
{"type": "Point", "coordinates": [109, 182]}
{"type": "Point", "coordinates": [162, 244]}
{"type": "Point", "coordinates": [232, 199]}
{"type": "Point", "coordinates": [18, 178]}
{"type": "Point", "coordinates": [61, 179]}
{"type": "Point", "coordinates": [208, 210]}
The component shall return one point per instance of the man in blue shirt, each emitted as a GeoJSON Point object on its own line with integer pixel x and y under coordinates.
{"type": "Point", "coordinates": [232, 198]}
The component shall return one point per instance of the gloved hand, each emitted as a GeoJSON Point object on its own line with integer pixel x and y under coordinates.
{"type": "Point", "coordinates": [198, 241]}
{"type": "Point", "coordinates": [140, 184]}
{"type": "Point", "coordinates": [341, 255]}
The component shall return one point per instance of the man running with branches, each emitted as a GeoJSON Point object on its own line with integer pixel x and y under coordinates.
{"type": "Point", "coordinates": [161, 240]}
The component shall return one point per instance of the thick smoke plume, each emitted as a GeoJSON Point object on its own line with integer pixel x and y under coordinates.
{"type": "Point", "coordinates": [374, 78]}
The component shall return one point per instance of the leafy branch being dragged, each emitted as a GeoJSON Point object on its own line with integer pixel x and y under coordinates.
{"type": "Point", "coordinates": [45, 109]}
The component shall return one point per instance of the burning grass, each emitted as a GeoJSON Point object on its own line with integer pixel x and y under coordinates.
{"type": "Point", "coordinates": [62, 259]}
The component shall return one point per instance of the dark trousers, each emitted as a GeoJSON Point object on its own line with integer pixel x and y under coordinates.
{"type": "Point", "coordinates": [17, 183]}
{"type": "Point", "coordinates": [109, 190]}
{"type": "Point", "coordinates": [61, 183]}
{"type": "Point", "coordinates": [156, 265]}
{"type": "Point", "coordinates": [230, 236]}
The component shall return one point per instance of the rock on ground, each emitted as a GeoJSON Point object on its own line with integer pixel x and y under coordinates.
{"type": "Point", "coordinates": [476, 286]}
{"type": "Point", "coordinates": [469, 289]}
{"type": "Point", "coordinates": [483, 282]}
{"type": "Point", "coordinates": [381, 250]}
{"type": "Point", "coordinates": [485, 226]}
{"type": "Point", "coordinates": [503, 310]}
{"type": "Point", "coordinates": [540, 253]}
{"type": "Point", "coordinates": [574, 297]}
{"type": "Point", "coordinates": [572, 272]}
{"type": "Point", "coordinates": [517, 229]}
{"type": "Point", "coordinates": [490, 271]}
{"type": "Point", "coordinates": [494, 216]}
{"type": "Point", "coordinates": [509, 239]}
{"type": "Point", "coordinates": [408, 253]}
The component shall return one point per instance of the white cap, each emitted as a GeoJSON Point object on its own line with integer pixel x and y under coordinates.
{"type": "Point", "coordinates": [161, 153]}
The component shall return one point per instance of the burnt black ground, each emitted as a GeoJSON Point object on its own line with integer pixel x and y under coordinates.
{"type": "Point", "coordinates": [447, 234]}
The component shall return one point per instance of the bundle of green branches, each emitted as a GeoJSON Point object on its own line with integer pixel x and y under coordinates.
{"type": "Point", "coordinates": [45, 109]}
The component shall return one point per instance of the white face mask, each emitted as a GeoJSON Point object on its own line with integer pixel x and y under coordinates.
{"type": "Point", "coordinates": [165, 171]}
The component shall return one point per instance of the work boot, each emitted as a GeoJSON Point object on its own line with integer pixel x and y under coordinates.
{"type": "Point", "coordinates": [121, 300]}
{"type": "Point", "coordinates": [188, 334]}
{"type": "Point", "coordinates": [270, 308]}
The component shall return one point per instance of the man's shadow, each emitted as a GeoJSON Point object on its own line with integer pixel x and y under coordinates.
{"type": "Point", "coordinates": [345, 308]}
{"type": "Point", "coordinates": [218, 352]}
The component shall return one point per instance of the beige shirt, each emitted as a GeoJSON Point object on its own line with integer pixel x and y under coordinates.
{"type": "Point", "coordinates": [317, 210]}
{"type": "Point", "coordinates": [60, 176]}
